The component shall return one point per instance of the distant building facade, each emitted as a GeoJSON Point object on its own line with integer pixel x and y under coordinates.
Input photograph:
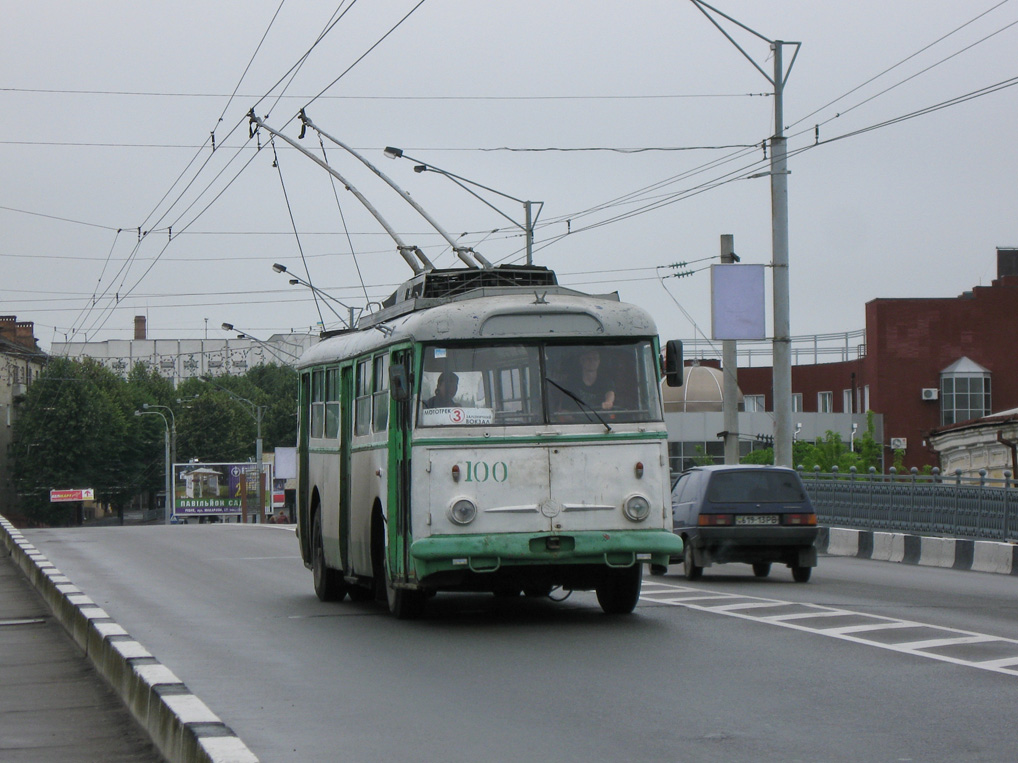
{"type": "Point", "coordinates": [180, 359]}
{"type": "Point", "coordinates": [926, 363]}
{"type": "Point", "coordinates": [21, 362]}
{"type": "Point", "coordinates": [988, 445]}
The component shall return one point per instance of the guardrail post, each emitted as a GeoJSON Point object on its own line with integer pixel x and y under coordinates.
{"type": "Point", "coordinates": [957, 495]}
{"type": "Point", "coordinates": [980, 501]}
{"type": "Point", "coordinates": [913, 488]}
{"type": "Point", "coordinates": [1007, 505]}
{"type": "Point", "coordinates": [851, 490]}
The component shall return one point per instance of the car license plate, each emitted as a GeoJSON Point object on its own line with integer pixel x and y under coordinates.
{"type": "Point", "coordinates": [756, 519]}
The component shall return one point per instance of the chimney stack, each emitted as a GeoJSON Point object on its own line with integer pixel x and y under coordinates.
{"type": "Point", "coordinates": [139, 327]}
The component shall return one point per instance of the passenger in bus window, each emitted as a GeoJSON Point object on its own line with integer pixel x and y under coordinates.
{"type": "Point", "coordinates": [445, 391]}
{"type": "Point", "coordinates": [593, 387]}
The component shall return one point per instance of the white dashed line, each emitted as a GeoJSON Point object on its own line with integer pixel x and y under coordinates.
{"type": "Point", "coordinates": [872, 631]}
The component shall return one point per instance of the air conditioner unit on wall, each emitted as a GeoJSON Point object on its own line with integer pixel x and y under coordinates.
{"type": "Point", "coordinates": [930, 393]}
{"type": "Point", "coordinates": [899, 443]}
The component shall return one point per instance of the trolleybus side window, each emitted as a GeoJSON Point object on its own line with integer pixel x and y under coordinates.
{"type": "Point", "coordinates": [318, 403]}
{"type": "Point", "coordinates": [380, 395]}
{"type": "Point", "coordinates": [362, 418]}
{"type": "Point", "coordinates": [332, 402]}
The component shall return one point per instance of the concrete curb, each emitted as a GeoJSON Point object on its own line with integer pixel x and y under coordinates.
{"type": "Point", "coordinates": [927, 551]}
{"type": "Point", "coordinates": [181, 726]}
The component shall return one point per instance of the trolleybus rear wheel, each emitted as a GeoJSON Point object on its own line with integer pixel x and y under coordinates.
{"type": "Point", "coordinates": [619, 591]}
{"type": "Point", "coordinates": [329, 584]}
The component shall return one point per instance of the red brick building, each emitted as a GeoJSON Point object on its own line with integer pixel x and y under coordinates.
{"type": "Point", "coordinates": [927, 363]}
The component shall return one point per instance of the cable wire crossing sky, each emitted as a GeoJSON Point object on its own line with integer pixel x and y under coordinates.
{"type": "Point", "coordinates": [136, 182]}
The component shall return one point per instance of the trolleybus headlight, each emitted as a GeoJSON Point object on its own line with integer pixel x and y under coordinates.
{"type": "Point", "coordinates": [463, 512]}
{"type": "Point", "coordinates": [636, 508]}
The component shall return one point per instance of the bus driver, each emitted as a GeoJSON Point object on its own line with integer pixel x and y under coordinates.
{"type": "Point", "coordinates": [597, 391]}
{"type": "Point", "coordinates": [445, 391]}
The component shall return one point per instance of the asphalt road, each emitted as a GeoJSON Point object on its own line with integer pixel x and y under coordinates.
{"type": "Point", "coordinates": [727, 668]}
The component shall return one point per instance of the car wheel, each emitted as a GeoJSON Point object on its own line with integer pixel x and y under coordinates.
{"type": "Point", "coordinates": [801, 574]}
{"type": "Point", "coordinates": [329, 584]}
{"type": "Point", "coordinates": [762, 569]}
{"type": "Point", "coordinates": [689, 567]}
{"type": "Point", "coordinates": [404, 603]}
{"type": "Point", "coordinates": [620, 590]}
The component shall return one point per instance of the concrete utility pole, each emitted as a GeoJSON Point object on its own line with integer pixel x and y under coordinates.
{"type": "Point", "coordinates": [782, 346]}
{"type": "Point", "coordinates": [782, 352]}
{"type": "Point", "coordinates": [729, 366]}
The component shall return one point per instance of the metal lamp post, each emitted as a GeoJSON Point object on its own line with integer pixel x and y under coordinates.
{"type": "Point", "coordinates": [278, 352]}
{"type": "Point", "coordinates": [531, 219]}
{"type": "Point", "coordinates": [173, 428]}
{"type": "Point", "coordinates": [168, 468]}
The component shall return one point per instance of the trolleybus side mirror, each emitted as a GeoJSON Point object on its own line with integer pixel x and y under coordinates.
{"type": "Point", "coordinates": [398, 385]}
{"type": "Point", "coordinates": [673, 363]}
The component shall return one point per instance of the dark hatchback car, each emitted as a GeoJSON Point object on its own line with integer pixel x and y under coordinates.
{"type": "Point", "coordinates": [757, 515]}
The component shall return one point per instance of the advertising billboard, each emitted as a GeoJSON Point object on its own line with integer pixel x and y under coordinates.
{"type": "Point", "coordinates": [217, 489]}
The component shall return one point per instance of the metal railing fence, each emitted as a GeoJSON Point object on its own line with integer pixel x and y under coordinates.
{"type": "Point", "coordinates": [924, 504]}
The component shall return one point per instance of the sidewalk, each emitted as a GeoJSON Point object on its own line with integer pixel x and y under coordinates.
{"type": "Point", "coordinates": [175, 724]}
{"type": "Point", "coordinates": [53, 704]}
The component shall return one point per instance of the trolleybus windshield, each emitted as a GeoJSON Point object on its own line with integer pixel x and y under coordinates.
{"type": "Point", "coordinates": [538, 382]}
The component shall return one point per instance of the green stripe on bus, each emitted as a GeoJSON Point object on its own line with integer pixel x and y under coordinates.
{"type": "Point", "coordinates": [542, 440]}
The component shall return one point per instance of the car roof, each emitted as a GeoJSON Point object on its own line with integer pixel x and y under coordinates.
{"type": "Point", "coordinates": [714, 468]}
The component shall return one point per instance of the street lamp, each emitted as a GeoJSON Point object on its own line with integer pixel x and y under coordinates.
{"type": "Point", "coordinates": [527, 227]}
{"type": "Point", "coordinates": [167, 467]}
{"type": "Point", "coordinates": [173, 428]}
{"type": "Point", "coordinates": [295, 279]}
{"type": "Point", "coordinates": [275, 351]}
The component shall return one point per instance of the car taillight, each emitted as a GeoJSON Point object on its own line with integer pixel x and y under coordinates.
{"type": "Point", "coordinates": [799, 519]}
{"type": "Point", "coordinates": [714, 520]}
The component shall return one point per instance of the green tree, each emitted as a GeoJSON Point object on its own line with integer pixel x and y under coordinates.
{"type": "Point", "coordinates": [71, 432]}
{"type": "Point", "coordinates": [213, 427]}
{"type": "Point", "coordinates": [278, 388]}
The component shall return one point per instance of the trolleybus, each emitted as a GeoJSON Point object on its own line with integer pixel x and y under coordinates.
{"type": "Point", "coordinates": [451, 442]}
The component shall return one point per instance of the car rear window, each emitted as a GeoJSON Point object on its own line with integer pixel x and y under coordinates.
{"type": "Point", "coordinates": [755, 487]}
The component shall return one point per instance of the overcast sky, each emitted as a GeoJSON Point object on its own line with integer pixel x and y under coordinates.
{"type": "Point", "coordinates": [637, 125]}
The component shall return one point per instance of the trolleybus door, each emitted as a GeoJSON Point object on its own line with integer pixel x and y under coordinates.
{"type": "Point", "coordinates": [303, 484]}
{"type": "Point", "coordinates": [399, 467]}
{"type": "Point", "coordinates": [345, 433]}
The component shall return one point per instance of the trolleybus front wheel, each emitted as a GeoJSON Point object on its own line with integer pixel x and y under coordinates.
{"type": "Point", "coordinates": [619, 590]}
{"type": "Point", "coordinates": [404, 603]}
{"type": "Point", "coordinates": [329, 584]}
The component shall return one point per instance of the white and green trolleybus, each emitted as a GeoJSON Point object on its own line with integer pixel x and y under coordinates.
{"type": "Point", "coordinates": [450, 442]}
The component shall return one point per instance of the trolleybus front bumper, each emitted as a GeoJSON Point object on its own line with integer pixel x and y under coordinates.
{"type": "Point", "coordinates": [488, 553]}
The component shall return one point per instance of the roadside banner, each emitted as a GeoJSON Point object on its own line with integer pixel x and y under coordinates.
{"type": "Point", "coordinates": [85, 494]}
{"type": "Point", "coordinates": [203, 489]}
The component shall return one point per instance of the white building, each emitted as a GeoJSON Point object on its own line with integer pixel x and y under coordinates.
{"type": "Point", "coordinates": [989, 443]}
{"type": "Point", "coordinates": [180, 359]}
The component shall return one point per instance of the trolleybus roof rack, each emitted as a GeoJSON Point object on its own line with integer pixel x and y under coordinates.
{"type": "Point", "coordinates": [445, 285]}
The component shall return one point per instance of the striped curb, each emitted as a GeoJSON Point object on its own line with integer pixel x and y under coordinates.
{"type": "Point", "coordinates": [181, 726]}
{"type": "Point", "coordinates": [927, 551]}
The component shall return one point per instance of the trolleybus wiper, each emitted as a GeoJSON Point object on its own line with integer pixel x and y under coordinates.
{"type": "Point", "coordinates": [583, 403]}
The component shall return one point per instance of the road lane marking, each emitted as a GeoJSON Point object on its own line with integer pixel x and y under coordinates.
{"type": "Point", "coordinates": [878, 627]}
